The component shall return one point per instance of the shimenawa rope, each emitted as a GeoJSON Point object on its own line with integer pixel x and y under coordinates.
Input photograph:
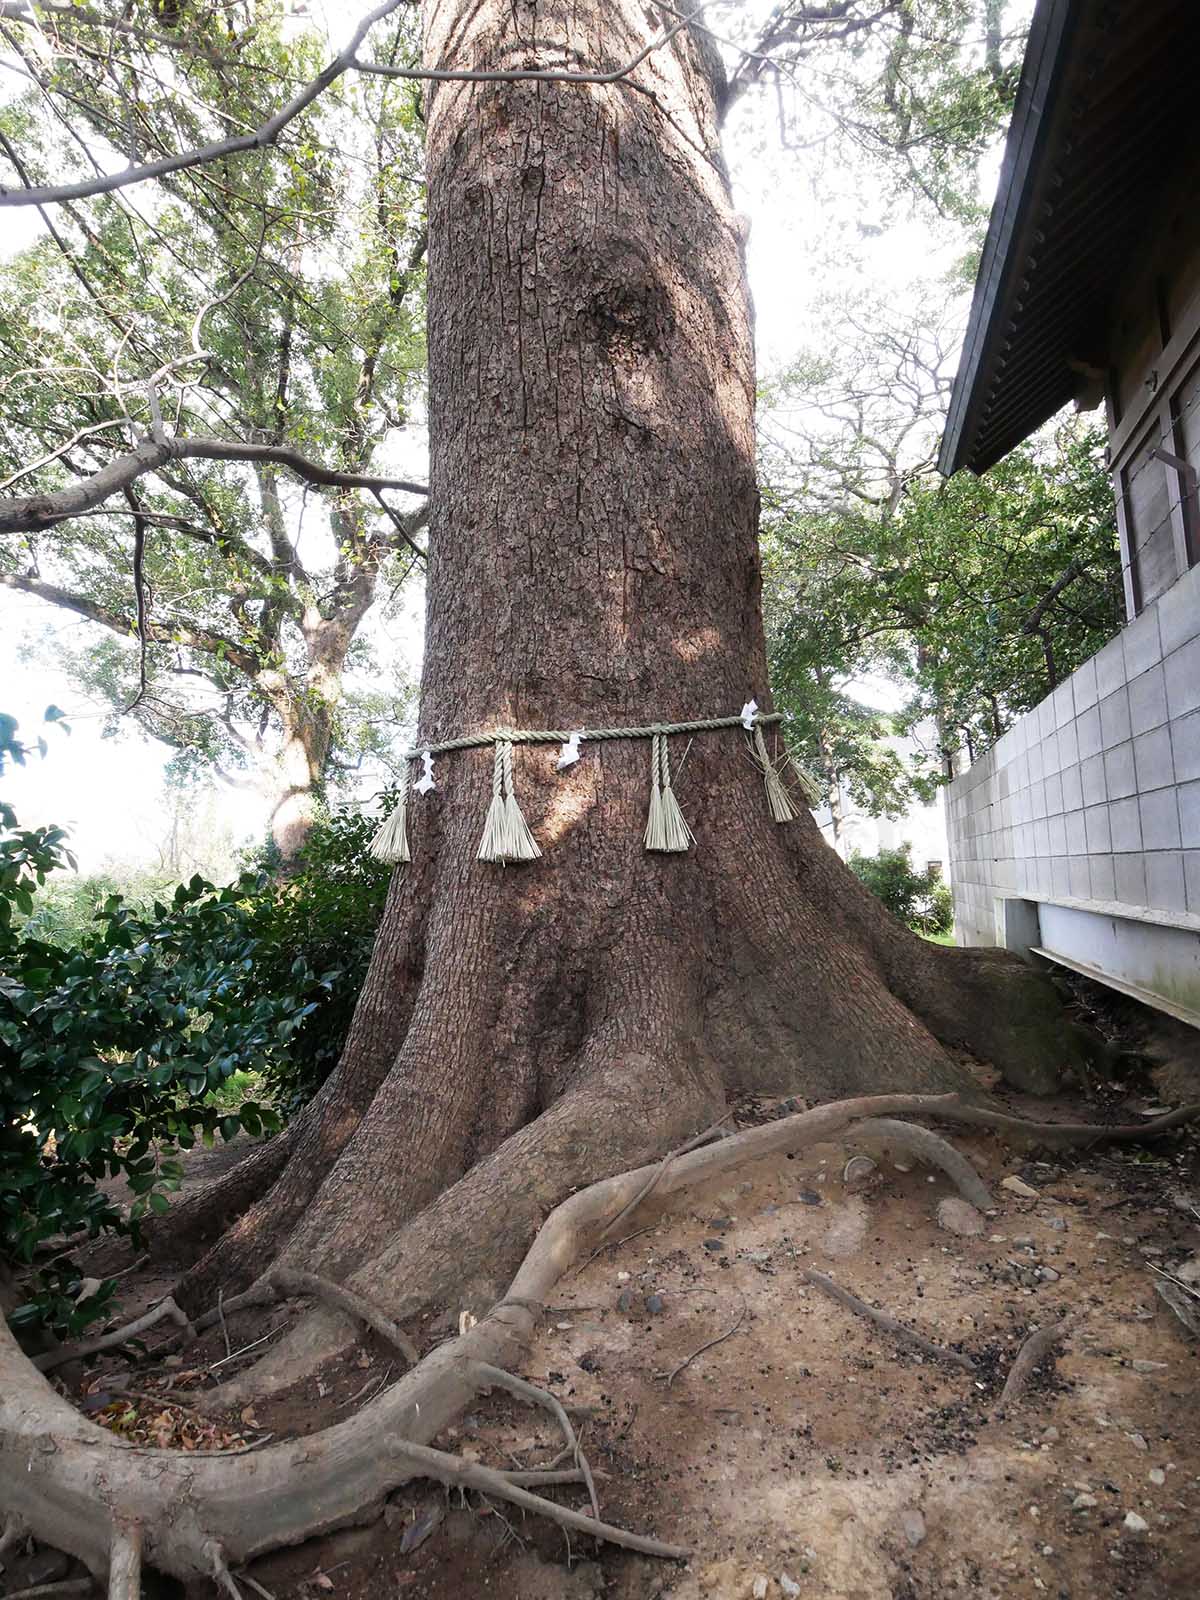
{"type": "Point", "coordinates": [506, 834]}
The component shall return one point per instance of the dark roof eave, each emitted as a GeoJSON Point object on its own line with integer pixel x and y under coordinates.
{"type": "Point", "coordinates": [1022, 179]}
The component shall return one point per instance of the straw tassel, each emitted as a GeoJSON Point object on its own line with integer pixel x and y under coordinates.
{"type": "Point", "coordinates": [809, 787]}
{"type": "Point", "coordinates": [665, 827]}
{"type": "Point", "coordinates": [390, 844]}
{"type": "Point", "coordinates": [777, 796]}
{"type": "Point", "coordinates": [506, 835]}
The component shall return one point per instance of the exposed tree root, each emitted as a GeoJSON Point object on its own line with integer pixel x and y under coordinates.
{"type": "Point", "coordinates": [69, 1481]}
{"type": "Point", "coordinates": [288, 1281]}
{"type": "Point", "coordinates": [485, 1375]}
{"type": "Point", "coordinates": [1034, 1351]}
{"type": "Point", "coordinates": [456, 1472]}
{"type": "Point", "coordinates": [1056, 1135]}
{"type": "Point", "coordinates": [932, 1149]}
{"type": "Point", "coordinates": [165, 1310]}
{"type": "Point", "coordinates": [244, 1505]}
{"type": "Point", "coordinates": [715, 1132]}
{"type": "Point", "coordinates": [889, 1324]}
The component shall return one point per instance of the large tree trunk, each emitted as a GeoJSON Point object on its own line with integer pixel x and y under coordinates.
{"type": "Point", "coordinates": [593, 561]}
{"type": "Point", "coordinates": [527, 1031]}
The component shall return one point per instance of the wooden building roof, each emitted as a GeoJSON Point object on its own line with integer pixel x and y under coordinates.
{"type": "Point", "coordinates": [1105, 111]}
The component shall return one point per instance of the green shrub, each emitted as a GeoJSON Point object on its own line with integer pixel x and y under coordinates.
{"type": "Point", "coordinates": [325, 913]}
{"type": "Point", "coordinates": [922, 900]}
{"type": "Point", "coordinates": [148, 1031]}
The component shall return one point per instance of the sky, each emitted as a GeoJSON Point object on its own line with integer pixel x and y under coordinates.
{"type": "Point", "coordinates": [108, 788]}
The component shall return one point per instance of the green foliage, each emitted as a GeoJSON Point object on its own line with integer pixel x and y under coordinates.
{"type": "Point", "coordinates": [158, 1025]}
{"type": "Point", "coordinates": [298, 273]}
{"type": "Point", "coordinates": [110, 1051]}
{"type": "Point", "coordinates": [323, 916]}
{"type": "Point", "coordinates": [975, 595]}
{"type": "Point", "coordinates": [16, 750]}
{"type": "Point", "coordinates": [921, 900]}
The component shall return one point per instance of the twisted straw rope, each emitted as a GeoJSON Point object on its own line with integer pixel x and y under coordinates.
{"type": "Point", "coordinates": [475, 741]}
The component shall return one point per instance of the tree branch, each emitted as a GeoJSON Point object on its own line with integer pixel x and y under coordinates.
{"type": "Point", "coordinates": [157, 633]}
{"type": "Point", "coordinates": [259, 139]}
{"type": "Point", "coordinates": [45, 510]}
{"type": "Point", "coordinates": [268, 134]}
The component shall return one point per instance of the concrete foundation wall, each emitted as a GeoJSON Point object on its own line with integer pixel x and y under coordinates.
{"type": "Point", "coordinates": [1092, 800]}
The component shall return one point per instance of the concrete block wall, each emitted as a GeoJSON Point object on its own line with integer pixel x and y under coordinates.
{"type": "Point", "coordinates": [1093, 798]}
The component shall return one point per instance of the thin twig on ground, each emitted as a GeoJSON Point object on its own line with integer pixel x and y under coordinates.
{"type": "Point", "coordinates": [259, 1588]}
{"type": "Point", "coordinates": [720, 1339]}
{"type": "Point", "coordinates": [889, 1324]}
{"type": "Point", "coordinates": [1035, 1350]}
{"type": "Point", "coordinates": [221, 1319]}
{"type": "Point", "coordinates": [253, 1345]}
{"type": "Point", "coordinates": [612, 1244]}
{"type": "Point", "coordinates": [716, 1130]}
{"type": "Point", "coordinates": [456, 1472]}
{"type": "Point", "coordinates": [488, 1376]}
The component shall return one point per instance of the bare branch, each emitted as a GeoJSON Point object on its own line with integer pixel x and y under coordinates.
{"type": "Point", "coordinates": [44, 511]}
{"type": "Point", "coordinates": [158, 633]}
{"type": "Point", "coordinates": [260, 139]}
{"type": "Point", "coordinates": [268, 134]}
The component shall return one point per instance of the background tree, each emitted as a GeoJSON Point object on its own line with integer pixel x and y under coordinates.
{"type": "Point", "coordinates": [979, 594]}
{"type": "Point", "coordinates": [265, 323]}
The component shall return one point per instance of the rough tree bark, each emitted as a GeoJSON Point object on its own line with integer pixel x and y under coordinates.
{"type": "Point", "coordinates": [525, 1031]}
{"type": "Point", "coordinates": [594, 560]}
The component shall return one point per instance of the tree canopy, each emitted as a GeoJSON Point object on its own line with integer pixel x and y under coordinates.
{"type": "Point", "coordinates": [214, 374]}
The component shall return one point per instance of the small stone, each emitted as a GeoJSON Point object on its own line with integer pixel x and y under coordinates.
{"type": "Point", "coordinates": [902, 1164]}
{"type": "Point", "coordinates": [1048, 1274]}
{"type": "Point", "coordinates": [1157, 1477]}
{"type": "Point", "coordinates": [1138, 1441]}
{"type": "Point", "coordinates": [625, 1300]}
{"type": "Point", "coordinates": [1146, 1367]}
{"type": "Point", "coordinates": [997, 1238]}
{"type": "Point", "coordinates": [1057, 1224]}
{"type": "Point", "coordinates": [721, 1224]}
{"type": "Point", "coordinates": [416, 1533]}
{"type": "Point", "coordinates": [912, 1525]}
{"type": "Point", "coordinates": [715, 1245]}
{"type": "Point", "coordinates": [1018, 1186]}
{"type": "Point", "coordinates": [1050, 1434]}
{"type": "Point", "coordinates": [1023, 1241]}
{"type": "Point", "coordinates": [758, 1588]}
{"type": "Point", "coordinates": [1135, 1524]}
{"type": "Point", "coordinates": [806, 1197]}
{"type": "Point", "coordinates": [959, 1216]}
{"type": "Point", "coordinates": [788, 1586]}
{"type": "Point", "coordinates": [1083, 1502]}
{"type": "Point", "coordinates": [655, 1304]}
{"type": "Point", "coordinates": [622, 1277]}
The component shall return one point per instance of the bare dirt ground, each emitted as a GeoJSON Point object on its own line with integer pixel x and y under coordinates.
{"type": "Point", "coordinates": [807, 1453]}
